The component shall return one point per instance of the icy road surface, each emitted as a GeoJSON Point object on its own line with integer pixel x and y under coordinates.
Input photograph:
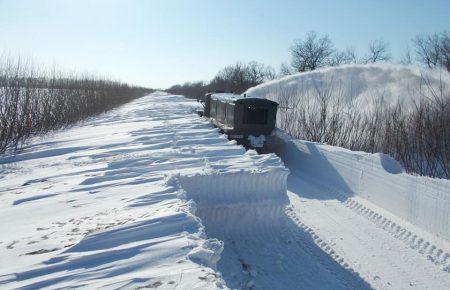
{"type": "Point", "coordinates": [152, 196]}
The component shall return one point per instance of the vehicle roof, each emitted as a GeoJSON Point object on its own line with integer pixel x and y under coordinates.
{"type": "Point", "coordinates": [232, 98]}
{"type": "Point", "coordinates": [226, 96]}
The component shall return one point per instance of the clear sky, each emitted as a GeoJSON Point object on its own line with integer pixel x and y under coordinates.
{"type": "Point", "coordinates": [158, 43]}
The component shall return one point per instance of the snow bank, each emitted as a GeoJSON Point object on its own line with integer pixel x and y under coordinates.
{"type": "Point", "coordinates": [378, 178]}
{"type": "Point", "coordinates": [236, 187]}
{"type": "Point", "coordinates": [359, 83]}
{"type": "Point", "coordinates": [238, 202]}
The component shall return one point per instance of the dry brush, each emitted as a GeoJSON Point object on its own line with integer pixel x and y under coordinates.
{"type": "Point", "coordinates": [417, 135]}
{"type": "Point", "coordinates": [34, 102]}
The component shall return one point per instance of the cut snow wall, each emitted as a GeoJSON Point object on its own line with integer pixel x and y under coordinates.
{"type": "Point", "coordinates": [238, 202]}
{"type": "Point", "coordinates": [378, 178]}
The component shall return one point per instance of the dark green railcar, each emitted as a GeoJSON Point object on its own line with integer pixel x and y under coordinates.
{"type": "Point", "coordinates": [241, 117]}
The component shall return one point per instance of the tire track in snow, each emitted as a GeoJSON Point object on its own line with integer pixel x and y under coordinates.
{"type": "Point", "coordinates": [319, 241]}
{"type": "Point", "coordinates": [428, 249]}
{"type": "Point", "coordinates": [272, 252]}
{"type": "Point", "coordinates": [379, 247]}
{"type": "Point", "coordinates": [432, 252]}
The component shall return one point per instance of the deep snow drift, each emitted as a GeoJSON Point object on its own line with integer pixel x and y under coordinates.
{"type": "Point", "coordinates": [361, 84]}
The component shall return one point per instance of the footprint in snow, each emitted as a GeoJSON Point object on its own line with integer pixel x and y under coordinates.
{"type": "Point", "coordinates": [34, 181]}
{"type": "Point", "coordinates": [42, 251]}
{"type": "Point", "coordinates": [11, 245]}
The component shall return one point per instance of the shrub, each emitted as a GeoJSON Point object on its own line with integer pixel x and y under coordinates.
{"type": "Point", "coordinates": [418, 136]}
{"type": "Point", "coordinates": [33, 103]}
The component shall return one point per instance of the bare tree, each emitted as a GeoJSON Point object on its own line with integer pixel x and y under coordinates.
{"type": "Point", "coordinates": [433, 50]}
{"type": "Point", "coordinates": [445, 50]}
{"type": "Point", "coordinates": [311, 53]}
{"type": "Point", "coordinates": [286, 69]}
{"type": "Point", "coordinates": [346, 56]}
{"type": "Point", "coordinates": [428, 49]}
{"type": "Point", "coordinates": [241, 76]}
{"type": "Point", "coordinates": [378, 51]}
{"type": "Point", "coordinates": [406, 58]}
{"type": "Point", "coordinates": [189, 89]}
{"type": "Point", "coordinates": [33, 102]}
{"type": "Point", "coordinates": [258, 73]}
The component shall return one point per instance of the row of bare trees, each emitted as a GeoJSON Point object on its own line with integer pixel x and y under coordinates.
{"type": "Point", "coordinates": [315, 51]}
{"type": "Point", "coordinates": [33, 102]}
{"type": "Point", "coordinates": [418, 136]}
{"type": "Point", "coordinates": [233, 78]}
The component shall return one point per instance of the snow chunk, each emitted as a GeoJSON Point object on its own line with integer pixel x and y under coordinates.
{"type": "Point", "coordinates": [208, 253]}
{"type": "Point", "coordinates": [257, 142]}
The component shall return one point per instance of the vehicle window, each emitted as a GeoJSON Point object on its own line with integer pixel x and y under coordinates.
{"type": "Point", "coordinates": [256, 116]}
{"type": "Point", "coordinates": [213, 108]}
{"type": "Point", "coordinates": [230, 114]}
{"type": "Point", "coordinates": [220, 111]}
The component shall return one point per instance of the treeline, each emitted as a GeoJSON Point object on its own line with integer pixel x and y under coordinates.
{"type": "Point", "coordinates": [235, 78]}
{"type": "Point", "coordinates": [33, 103]}
{"type": "Point", "coordinates": [315, 51]}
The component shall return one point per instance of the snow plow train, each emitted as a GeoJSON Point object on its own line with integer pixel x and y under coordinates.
{"type": "Point", "coordinates": [245, 119]}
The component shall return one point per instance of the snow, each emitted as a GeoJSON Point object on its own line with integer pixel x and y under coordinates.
{"type": "Point", "coordinates": [378, 178]}
{"type": "Point", "coordinates": [360, 84]}
{"type": "Point", "coordinates": [365, 212]}
{"type": "Point", "coordinates": [99, 205]}
{"type": "Point", "coordinates": [152, 196]}
{"type": "Point", "coordinates": [230, 97]}
{"type": "Point", "coordinates": [257, 142]}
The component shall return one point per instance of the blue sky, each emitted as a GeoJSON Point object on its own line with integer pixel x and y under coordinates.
{"type": "Point", "coordinates": [158, 43]}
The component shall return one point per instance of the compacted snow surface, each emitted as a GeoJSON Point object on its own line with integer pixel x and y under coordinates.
{"type": "Point", "coordinates": [152, 196]}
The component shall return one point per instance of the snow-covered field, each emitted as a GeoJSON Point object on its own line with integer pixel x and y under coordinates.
{"type": "Point", "coordinates": [152, 196]}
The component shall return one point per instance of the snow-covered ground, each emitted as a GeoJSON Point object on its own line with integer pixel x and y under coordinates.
{"type": "Point", "coordinates": [360, 207]}
{"type": "Point", "coordinates": [99, 204]}
{"type": "Point", "coordinates": [152, 196]}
